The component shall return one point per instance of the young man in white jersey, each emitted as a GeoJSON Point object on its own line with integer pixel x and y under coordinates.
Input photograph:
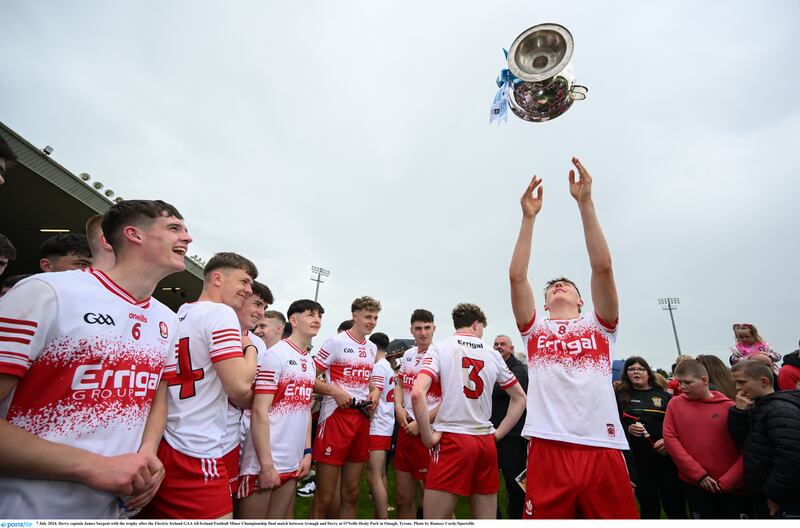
{"type": "Point", "coordinates": [84, 361]}
{"type": "Point", "coordinates": [251, 312]}
{"type": "Point", "coordinates": [270, 327]}
{"type": "Point", "coordinates": [342, 444]}
{"type": "Point", "coordinates": [381, 427]}
{"type": "Point", "coordinates": [575, 463]}
{"type": "Point", "coordinates": [215, 364]}
{"type": "Point", "coordinates": [464, 458]}
{"type": "Point", "coordinates": [280, 451]}
{"type": "Point", "coordinates": [411, 457]}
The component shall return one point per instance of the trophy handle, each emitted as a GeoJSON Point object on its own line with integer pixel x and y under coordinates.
{"type": "Point", "coordinates": [578, 92]}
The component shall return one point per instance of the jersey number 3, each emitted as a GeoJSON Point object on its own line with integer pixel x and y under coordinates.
{"type": "Point", "coordinates": [185, 376]}
{"type": "Point", "coordinates": [474, 367]}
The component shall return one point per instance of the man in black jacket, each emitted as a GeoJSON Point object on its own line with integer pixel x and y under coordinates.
{"type": "Point", "coordinates": [512, 449]}
{"type": "Point", "coordinates": [766, 426]}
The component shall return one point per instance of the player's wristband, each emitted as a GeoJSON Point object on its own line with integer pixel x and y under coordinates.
{"type": "Point", "coordinates": [249, 346]}
{"type": "Point", "coordinates": [307, 451]}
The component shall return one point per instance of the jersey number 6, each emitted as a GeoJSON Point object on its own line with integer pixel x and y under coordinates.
{"type": "Point", "coordinates": [473, 366]}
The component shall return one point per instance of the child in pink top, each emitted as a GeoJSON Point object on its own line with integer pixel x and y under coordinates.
{"type": "Point", "coordinates": [749, 343]}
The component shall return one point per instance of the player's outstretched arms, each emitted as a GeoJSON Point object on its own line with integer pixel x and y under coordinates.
{"type": "Point", "coordinates": [515, 409]}
{"type": "Point", "coordinates": [522, 302]}
{"type": "Point", "coordinates": [604, 290]}
{"type": "Point", "coordinates": [237, 375]}
{"type": "Point", "coordinates": [23, 455]}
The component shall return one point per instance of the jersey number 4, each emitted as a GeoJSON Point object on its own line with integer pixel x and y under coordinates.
{"type": "Point", "coordinates": [185, 376]}
{"type": "Point", "coordinates": [474, 367]}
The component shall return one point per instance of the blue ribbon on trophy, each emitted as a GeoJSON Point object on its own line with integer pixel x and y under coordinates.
{"type": "Point", "coordinates": [499, 110]}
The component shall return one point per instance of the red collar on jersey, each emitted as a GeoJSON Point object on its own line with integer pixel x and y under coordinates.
{"type": "Point", "coordinates": [362, 342]}
{"type": "Point", "coordinates": [288, 342]}
{"type": "Point", "coordinates": [117, 290]}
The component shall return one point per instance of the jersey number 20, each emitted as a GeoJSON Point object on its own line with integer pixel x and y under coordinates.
{"type": "Point", "coordinates": [474, 367]}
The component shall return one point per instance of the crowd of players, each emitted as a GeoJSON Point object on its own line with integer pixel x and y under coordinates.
{"type": "Point", "coordinates": [114, 406]}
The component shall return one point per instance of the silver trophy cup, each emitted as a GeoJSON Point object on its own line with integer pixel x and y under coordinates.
{"type": "Point", "coordinates": [540, 59]}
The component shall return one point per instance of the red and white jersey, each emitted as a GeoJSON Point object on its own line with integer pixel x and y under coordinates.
{"type": "Point", "coordinates": [410, 366]}
{"type": "Point", "coordinates": [208, 332]}
{"type": "Point", "coordinates": [570, 393]}
{"type": "Point", "coordinates": [468, 369]}
{"type": "Point", "coordinates": [89, 358]}
{"type": "Point", "coordinates": [348, 364]}
{"type": "Point", "coordinates": [236, 428]}
{"type": "Point", "coordinates": [382, 422]}
{"type": "Point", "coordinates": [289, 374]}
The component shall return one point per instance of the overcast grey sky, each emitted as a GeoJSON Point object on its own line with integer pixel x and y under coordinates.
{"type": "Point", "coordinates": [354, 136]}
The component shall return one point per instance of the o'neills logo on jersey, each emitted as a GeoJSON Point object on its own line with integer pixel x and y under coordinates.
{"type": "Point", "coordinates": [98, 383]}
{"type": "Point", "coordinates": [138, 317]}
{"type": "Point", "coordinates": [576, 346]}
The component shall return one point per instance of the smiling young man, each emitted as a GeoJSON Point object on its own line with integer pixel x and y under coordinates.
{"type": "Point", "coordinates": [85, 358]}
{"type": "Point", "coordinates": [215, 363]}
{"type": "Point", "coordinates": [341, 448]}
{"type": "Point", "coordinates": [575, 462]}
{"type": "Point", "coordinates": [279, 451]}
{"type": "Point", "coordinates": [68, 251]}
{"type": "Point", "coordinates": [411, 457]}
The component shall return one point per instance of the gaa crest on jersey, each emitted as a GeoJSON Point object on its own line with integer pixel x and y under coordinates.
{"type": "Point", "coordinates": [657, 401]}
{"type": "Point", "coordinates": [528, 507]}
{"type": "Point", "coordinates": [611, 430]}
{"type": "Point", "coordinates": [163, 329]}
{"type": "Point", "coordinates": [328, 451]}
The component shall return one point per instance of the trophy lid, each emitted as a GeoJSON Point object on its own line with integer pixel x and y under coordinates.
{"type": "Point", "coordinates": [540, 52]}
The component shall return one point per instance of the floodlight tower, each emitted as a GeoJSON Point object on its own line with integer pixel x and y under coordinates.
{"type": "Point", "coordinates": [319, 272]}
{"type": "Point", "coordinates": [671, 304]}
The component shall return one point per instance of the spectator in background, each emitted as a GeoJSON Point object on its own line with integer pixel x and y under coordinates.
{"type": "Point", "coordinates": [11, 281]}
{"type": "Point", "coordinates": [69, 251]}
{"type": "Point", "coordinates": [7, 253]}
{"type": "Point", "coordinates": [381, 428]}
{"type": "Point", "coordinates": [7, 159]}
{"type": "Point", "coordinates": [719, 376]}
{"type": "Point", "coordinates": [512, 449]}
{"type": "Point", "coordinates": [673, 387]}
{"type": "Point", "coordinates": [643, 406]}
{"type": "Point", "coordinates": [766, 426]}
{"type": "Point", "coordinates": [103, 258]}
{"type": "Point", "coordinates": [789, 374]}
{"type": "Point", "coordinates": [749, 343]}
{"type": "Point", "coordinates": [697, 439]}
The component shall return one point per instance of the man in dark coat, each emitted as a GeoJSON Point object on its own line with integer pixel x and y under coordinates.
{"type": "Point", "coordinates": [766, 426]}
{"type": "Point", "coordinates": [512, 449]}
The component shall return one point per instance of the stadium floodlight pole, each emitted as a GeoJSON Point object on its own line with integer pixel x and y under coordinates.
{"type": "Point", "coordinates": [319, 272]}
{"type": "Point", "coordinates": [671, 304]}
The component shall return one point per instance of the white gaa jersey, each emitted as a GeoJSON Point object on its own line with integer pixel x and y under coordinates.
{"type": "Point", "coordinates": [236, 428]}
{"type": "Point", "coordinates": [198, 406]}
{"type": "Point", "coordinates": [289, 374]}
{"type": "Point", "coordinates": [348, 364]}
{"type": "Point", "coordinates": [570, 393]}
{"type": "Point", "coordinates": [468, 369]}
{"type": "Point", "coordinates": [410, 366]}
{"type": "Point", "coordinates": [244, 424]}
{"type": "Point", "coordinates": [88, 358]}
{"type": "Point", "coordinates": [382, 422]}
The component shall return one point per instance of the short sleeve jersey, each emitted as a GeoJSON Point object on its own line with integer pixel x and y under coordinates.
{"type": "Point", "coordinates": [382, 422]}
{"type": "Point", "coordinates": [468, 369]}
{"type": "Point", "coordinates": [570, 393]}
{"type": "Point", "coordinates": [410, 366]}
{"type": "Point", "coordinates": [208, 332]}
{"type": "Point", "coordinates": [289, 374]}
{"type": "Point", "coordinates": [236, 428]}
{"type": "Point", "coordinates": [88, 357]}
{"type": "Point", "coordinates": [348, 364]}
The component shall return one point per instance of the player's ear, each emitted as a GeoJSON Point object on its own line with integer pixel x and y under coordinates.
{"type": "Point", "coordinates": [44, 265]}
{"type": "Point", "coordinates": [546, 308]}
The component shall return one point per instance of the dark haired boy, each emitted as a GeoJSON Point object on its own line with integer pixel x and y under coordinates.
{"type": "Point", "coordinates": [69, 251]}
{"type": "Point", "coordinates": [83, 387]}
{"type": "Point", "coordinates": [696, 435]}
{"type": "Point", "coordinates": [381, 427]}
{"type": "Point", "coordinates": [216, 363]}
{"type": "Point", "coordinates": [766, 425]}
{"type": "Point", "coordinates": [464, 455]}
{"type": "Point", "coordinates": [7, 252]}
{"type": "Point", "coordinates": [341, 447]}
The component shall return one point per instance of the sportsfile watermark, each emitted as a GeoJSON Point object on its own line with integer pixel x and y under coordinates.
{"type": "Point", "coordinates": [265, 523]}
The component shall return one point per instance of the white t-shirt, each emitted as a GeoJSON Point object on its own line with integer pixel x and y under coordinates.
{"type": "Point", "coordinates": [235, 430]}
{"type": "Point", "coordinates": [289, 374]}
{"type": "Point", "coordinates": [198, 406]}
{"type": "Point", "coordinates": [468, 369]}
{"type": "Point", "coordinates": [570, 393]}
{"type": "Point", "coordinates": [382, 422]}
{"type": "Point", "coordinates": [348, 364]}
{"type": "Point", "coordinates": [409, 368]}
{"type": "Point", "coordinates": [89, 358]}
